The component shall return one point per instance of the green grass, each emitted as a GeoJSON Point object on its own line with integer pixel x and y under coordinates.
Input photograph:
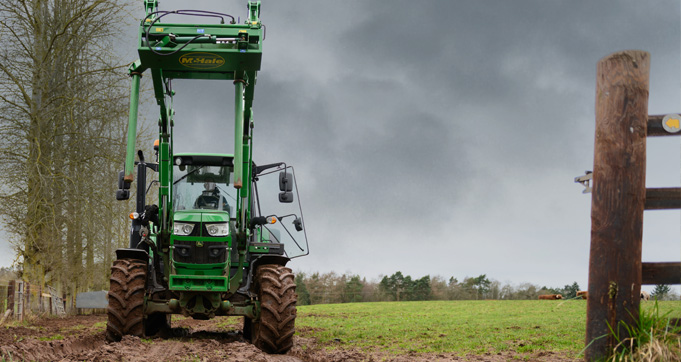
{"type": "Point", "coordinates": [51, 338]}
{"type": "Point", "coordinates": [7, 359]}
{"type": "Point", "coordinates": [653, 338]}
{"type": "Point", "coordinates": [464, 327]}
{"type": "Point", "coordinates": [228, 323]}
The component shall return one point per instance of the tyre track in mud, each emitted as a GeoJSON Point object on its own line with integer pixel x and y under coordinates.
{"type": "Point", "coordinates": [82, 338]}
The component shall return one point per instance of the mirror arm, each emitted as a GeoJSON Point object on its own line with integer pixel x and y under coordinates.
{"type": "Point", "coordinates": [260, 169]}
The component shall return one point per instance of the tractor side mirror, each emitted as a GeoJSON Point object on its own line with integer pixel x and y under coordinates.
{"type": "Point", "coordinates": [285, 183]}
{"type": "Point", "coordinates": [285, 186]}
{"type": "Point", "coordinates": [122, 195]}
{"type": "Point", "coordinates": [298, 224]}
{"type": "Point", "coordinates": [286, 197]}
{"type": "Point", "coordinates": [122, 185]}
{"type": "Point", "coordinates": [123, 192]}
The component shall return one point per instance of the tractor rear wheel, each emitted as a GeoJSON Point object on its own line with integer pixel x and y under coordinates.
{"type": "Point", "coordinates": [273, 331]}
{"type": "Point", "coordinates": [126, 299]}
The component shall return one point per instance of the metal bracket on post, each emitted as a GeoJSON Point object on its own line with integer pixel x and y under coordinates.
{"type": "Point", "coordinates": [585, 180]}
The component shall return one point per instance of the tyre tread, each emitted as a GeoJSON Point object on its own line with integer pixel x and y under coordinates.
{"type": "Point", "coordinates": [126, 299]}
{"type": "Point", "coordinates": [273, 333]}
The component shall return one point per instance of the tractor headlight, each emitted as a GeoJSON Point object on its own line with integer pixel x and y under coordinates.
{"type": "Point", "coordinates": [182, 229]}
{"type": "Point", "coordinates": [219, 229]}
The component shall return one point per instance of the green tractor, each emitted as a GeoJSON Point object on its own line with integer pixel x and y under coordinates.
{"type": "Point", "coordinates": [218, 241]}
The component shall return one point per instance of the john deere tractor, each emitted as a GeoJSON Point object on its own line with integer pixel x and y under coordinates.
{"type": "Point", "coordinates": [218, 239]}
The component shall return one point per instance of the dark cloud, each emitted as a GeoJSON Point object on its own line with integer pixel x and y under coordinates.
{"type": "Point", "coordinates": [439, 137]}
{"type": "Point", "coordinates": [449, 125]}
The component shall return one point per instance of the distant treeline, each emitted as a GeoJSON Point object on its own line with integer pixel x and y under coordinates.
{"type": "Point", "coordinates": [331, 287]}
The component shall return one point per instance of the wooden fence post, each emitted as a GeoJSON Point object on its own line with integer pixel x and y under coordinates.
{"type": "Point", "coordinates": [618, 199]}
{"type": "Point", "coordinates": [10, 295]}
{"type": "Point", "coordinates": [20, 300]}
{"type": "Point", "coordinates": [27, 293]}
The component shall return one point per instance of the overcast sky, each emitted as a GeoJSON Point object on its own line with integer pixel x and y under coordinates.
{"type": "Point", "coordinates": [443, 137]}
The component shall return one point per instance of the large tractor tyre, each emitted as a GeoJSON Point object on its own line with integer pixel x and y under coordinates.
{"type": "Point", "coordinates": [126, 299]}
{"type": "Point", "coordinates": [273, 331]}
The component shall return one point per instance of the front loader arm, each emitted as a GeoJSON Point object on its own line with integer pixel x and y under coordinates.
{"type": "Point", "coordinates": [136, 75]}
{"type": "Point", "coordinates": [135, 71]}
{"type": "Point", "coordinates": [224, 51]}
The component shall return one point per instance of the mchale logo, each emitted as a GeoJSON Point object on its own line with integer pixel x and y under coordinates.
{"type": "Point", "coordinates": [202, 60]}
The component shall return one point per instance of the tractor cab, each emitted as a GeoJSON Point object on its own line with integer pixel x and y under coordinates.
{"type": "Point", "coordinates": [204, 253]}
{"type": "Point", "coordinates": [203, 183]}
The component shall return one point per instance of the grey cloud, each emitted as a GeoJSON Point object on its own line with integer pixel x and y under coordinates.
{"type": "Point", "coordinates": [402, 115]}
{"type": "Point", "coordinates": [446, 128]}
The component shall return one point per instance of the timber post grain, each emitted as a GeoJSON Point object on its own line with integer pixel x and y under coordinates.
{"type": "Point", "coordinates": [618, 199]}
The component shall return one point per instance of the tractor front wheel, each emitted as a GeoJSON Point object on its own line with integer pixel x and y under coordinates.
{"type": "Point", "coordinates": [273, 331]}
{"type": "Point", "coordinates": [126, 299]}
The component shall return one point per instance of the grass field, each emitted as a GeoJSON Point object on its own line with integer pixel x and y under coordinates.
{"type": "Point", "coordinates": [465, 327]}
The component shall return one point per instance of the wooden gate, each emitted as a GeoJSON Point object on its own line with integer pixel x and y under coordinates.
{"type": "Point", "coordinates": [619, 197]}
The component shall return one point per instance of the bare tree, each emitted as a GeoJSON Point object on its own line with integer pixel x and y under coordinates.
{"type": "Point", "coordinates": [63, 103]}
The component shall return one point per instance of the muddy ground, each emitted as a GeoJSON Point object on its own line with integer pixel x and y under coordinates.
{"type": "Point", "coordinates": [81, 338]}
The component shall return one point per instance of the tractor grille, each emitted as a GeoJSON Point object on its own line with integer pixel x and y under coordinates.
{"type": "Point", "coordinates": [209, 253]}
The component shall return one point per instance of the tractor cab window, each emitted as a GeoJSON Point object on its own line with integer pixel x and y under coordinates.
{"type": "Point", "coordinates": [204, 187]}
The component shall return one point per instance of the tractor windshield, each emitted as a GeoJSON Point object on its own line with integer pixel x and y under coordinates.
{"type": "Point", "coordinates": [203, 187]}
